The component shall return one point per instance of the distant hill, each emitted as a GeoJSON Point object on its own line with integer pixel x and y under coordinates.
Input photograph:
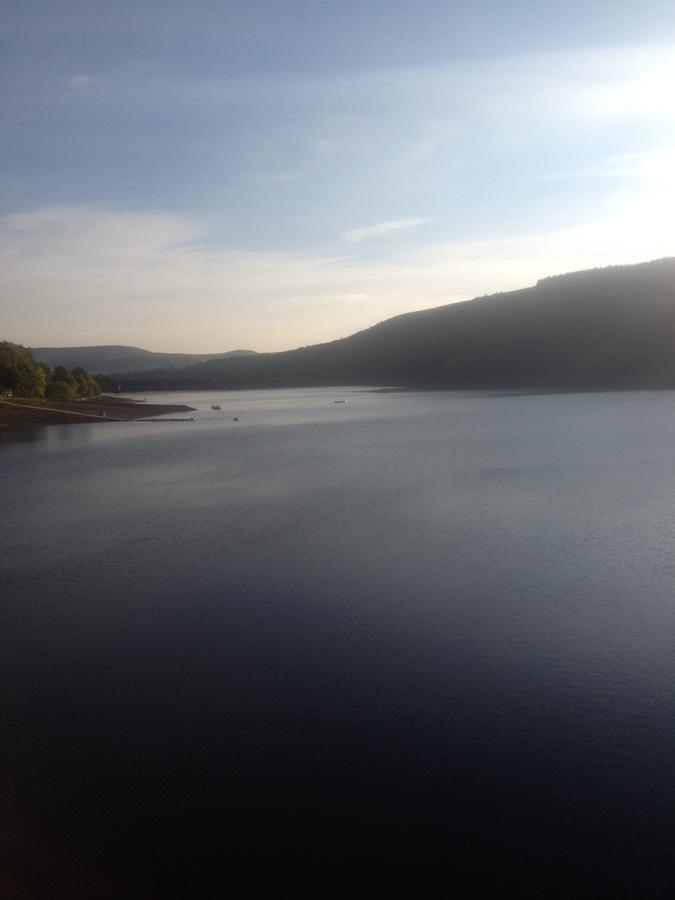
{"type": "Point", "coordinates": [603, 328]}
{"type": "Point", "coordinates": [111, 359]}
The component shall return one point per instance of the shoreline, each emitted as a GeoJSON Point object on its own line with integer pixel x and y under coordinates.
{"type": "Point", "coordinates": [20, 413]}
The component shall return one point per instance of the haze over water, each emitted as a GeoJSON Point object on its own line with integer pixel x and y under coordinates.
{"type": "Point", "coordinates": [433, 631]}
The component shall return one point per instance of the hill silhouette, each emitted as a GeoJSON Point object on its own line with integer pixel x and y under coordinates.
{"type": "Point", "coordinates": [602, 328]}
{"type": "Point", "coordinates": [112, 358]}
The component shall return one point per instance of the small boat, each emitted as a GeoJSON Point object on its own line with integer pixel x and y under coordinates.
{"type": "Point", "coordinates": [214, 406]}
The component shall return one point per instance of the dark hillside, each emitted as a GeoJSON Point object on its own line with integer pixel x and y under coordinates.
{"type": "Point", "coordinates": [604, 328]}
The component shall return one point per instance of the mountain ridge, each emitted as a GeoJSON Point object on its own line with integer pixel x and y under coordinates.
{"type": "Point", "coordinates": [109, 359]}
{"type": "Point", "coordinates": [610, 327]}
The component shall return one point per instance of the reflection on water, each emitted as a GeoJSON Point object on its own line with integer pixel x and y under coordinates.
{"type": "Point", "coordinates": [24, 435]}
{"type": "Point", "coordinates": [55, 434]}
{"type": "Point", "coordinates": [421, 631]}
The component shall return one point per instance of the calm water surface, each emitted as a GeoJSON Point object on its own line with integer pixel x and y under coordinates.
{"type": "Point", "coordinates": [430, 632]}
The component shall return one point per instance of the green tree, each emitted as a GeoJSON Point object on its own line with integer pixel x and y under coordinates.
{"type": "Point", "coordinates": [93, 386]}
{"type": "Point", "coordinates": [19, 371]}
{"type": "Point", "coordinates": [63, 374]}
{"type": "Point", "coordinates": [60, 391]}
{"type": "Point", "coordinates": [37, 383]}
{"type": "Point", "coordinates": [84, 384]}
{"type": "Point", "coordinates": [47, 369]}
{"type": "Point", "coordinates": [25, 377]}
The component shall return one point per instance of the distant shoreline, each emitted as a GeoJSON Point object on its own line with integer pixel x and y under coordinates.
{"type": "Point", "coordinates": [16, 413]}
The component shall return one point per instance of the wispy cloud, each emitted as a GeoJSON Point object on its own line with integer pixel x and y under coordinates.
{"type": "Point", "coordinates": [79, 82]}
{"type": "Point", "coordinates": [647, 165]}
{"type": "Point", "coordinates": [383, 228]}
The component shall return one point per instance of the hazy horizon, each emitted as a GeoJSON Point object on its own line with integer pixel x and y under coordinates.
{"type": "Point", "coordinates": [204, 180]}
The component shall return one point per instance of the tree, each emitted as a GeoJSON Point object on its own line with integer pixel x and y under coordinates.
{"type": "Point", "coordinates": [19, 372]}
{"type": "Point", "coordinates": [63, 374]}
{"type": "Point", "coordinates": [25, 377]}
{"type": "Point", "coordinates": [60, 391]}
{"type": "Point", "coordinates": [84, 384]}
{"type": "Point", "coordinates": [47, 369]}
{"type": "Point", "coordinates": [94, 387]}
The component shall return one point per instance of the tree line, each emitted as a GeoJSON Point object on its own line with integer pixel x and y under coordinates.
{"type": "Point", "coordinates": [24, 376]}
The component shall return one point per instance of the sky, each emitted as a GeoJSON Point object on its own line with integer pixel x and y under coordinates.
{"type": "Point", "coordinates": [219, 174]}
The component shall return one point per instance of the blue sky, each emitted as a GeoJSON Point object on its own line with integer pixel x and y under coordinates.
{"type": "Point", "coordinates": [213, 175]}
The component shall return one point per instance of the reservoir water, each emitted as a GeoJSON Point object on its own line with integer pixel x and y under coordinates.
{"type": "Point", "coordinates": [430, 633]}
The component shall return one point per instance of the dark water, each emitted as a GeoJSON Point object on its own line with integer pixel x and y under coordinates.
{"type": "Point", "coordinates": [429, 633]}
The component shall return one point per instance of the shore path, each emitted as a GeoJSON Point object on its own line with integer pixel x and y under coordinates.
{"type": "Point", "coordinates": [66, 412]}
{"type": "Point", "coordinates": [15, 414]}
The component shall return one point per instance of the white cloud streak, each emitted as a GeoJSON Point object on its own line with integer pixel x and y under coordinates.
{"type": "Point", "coordinates": [657, 163]}
{"type": "Point", "coordinates": [394, 226]}
{"type": "Point", "coordinates": [79, 82]}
